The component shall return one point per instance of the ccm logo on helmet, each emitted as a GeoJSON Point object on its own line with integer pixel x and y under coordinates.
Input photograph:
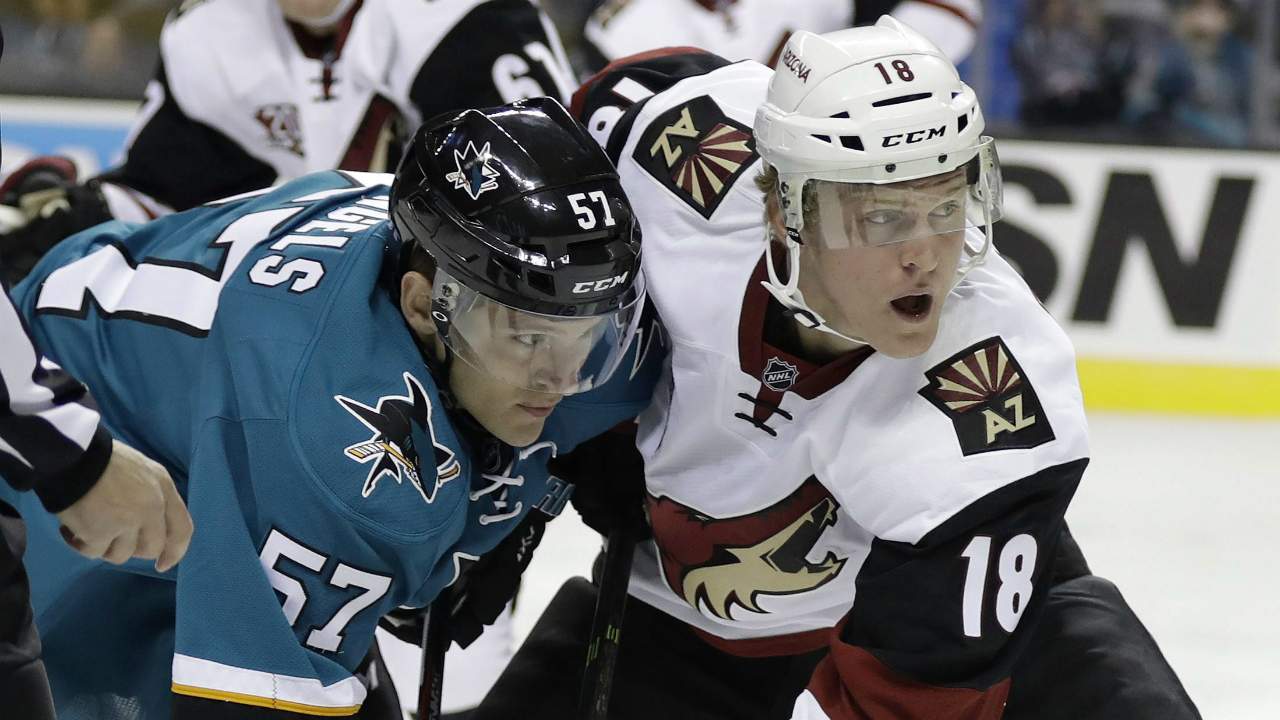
{"type": "Point", "coordinates": [793, 63]}
{"type": "Point", "coordinates": [600, 285]}
{"type": "Point", "coordinates": [914, 136]}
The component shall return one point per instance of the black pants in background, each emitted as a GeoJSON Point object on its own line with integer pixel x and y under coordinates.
{"type": "Point", "coordinates": [1089, 658]}
{"type": "Point", "coordinates": [24, 689]}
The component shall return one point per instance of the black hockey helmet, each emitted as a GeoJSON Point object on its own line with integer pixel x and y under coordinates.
{"type": "Point", "coordinates": [522, 212]}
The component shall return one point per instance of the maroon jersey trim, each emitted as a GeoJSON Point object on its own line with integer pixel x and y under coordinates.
{"type": "Point", "coordinates": [778, 645]}
{"type": "Point", "coordinates": [579, 99]}
{"type": "Point", "coordinates": [315, 47]}
{"type": "Point", "coordinates": [754, 354]}
{"type": "Point", "coordinates": [851, 684]}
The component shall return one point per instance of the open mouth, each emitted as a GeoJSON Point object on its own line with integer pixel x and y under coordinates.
{"type": "Point", "coordinates": [913, 307]}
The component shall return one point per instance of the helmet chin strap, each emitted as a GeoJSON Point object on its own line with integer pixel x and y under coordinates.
{"type": "Point", "coordinates": [789, 296]}
{"type": "Point", "coordinates": [980, 258]}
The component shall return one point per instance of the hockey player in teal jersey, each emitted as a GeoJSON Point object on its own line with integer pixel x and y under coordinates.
{"type": "Point", "coordinates": [355, 408]}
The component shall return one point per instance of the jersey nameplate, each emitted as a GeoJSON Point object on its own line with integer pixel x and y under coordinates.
{"type": "Point", "coordinates": [988, 398]}
{"type": "Point", "coordinates": [697, 152]}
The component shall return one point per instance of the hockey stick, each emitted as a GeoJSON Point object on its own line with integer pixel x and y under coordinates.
{"type": "Point", "coordinates": [606, 625]}
{"type": "Point", "coordinates": [435, 641]}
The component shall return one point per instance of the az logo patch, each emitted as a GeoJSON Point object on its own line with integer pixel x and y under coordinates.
{"type": "Point", "coordinates": [988, 398]}
{"type": "Point", "coordinates": [697, 152]}
{"type": "Point", "coordinates": [392, 449]}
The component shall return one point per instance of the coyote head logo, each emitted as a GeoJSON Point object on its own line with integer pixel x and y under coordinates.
{"type": "Point", "coordinates": [715, 564]}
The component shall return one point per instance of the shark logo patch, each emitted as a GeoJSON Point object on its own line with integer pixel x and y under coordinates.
{"type": "Point", "coordinates": [392, 449]}
{"type": "Point", "coordinates": [473, 174]}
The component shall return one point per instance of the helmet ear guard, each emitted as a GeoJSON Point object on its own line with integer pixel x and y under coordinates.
{"type": "Point", "coordinates": [879, 106]}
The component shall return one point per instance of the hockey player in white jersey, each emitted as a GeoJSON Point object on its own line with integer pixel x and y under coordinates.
{"type": "Point", "coordinates": [857, 464]}
{"type": "Point", "coordinates": [758, 29]}
{"type": "Point", "coordinates": [251, 93]}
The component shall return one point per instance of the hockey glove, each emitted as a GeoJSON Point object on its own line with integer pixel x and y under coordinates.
{"type": "Point", "coordinates": [607, 473]}
{"type": "Point", "coordinates": [41, 204]}
{"type": "Point", "coordinates": [487, 586]}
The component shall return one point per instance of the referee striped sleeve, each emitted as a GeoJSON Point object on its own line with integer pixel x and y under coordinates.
{"type": "Point", "coordinates": [51, 440]}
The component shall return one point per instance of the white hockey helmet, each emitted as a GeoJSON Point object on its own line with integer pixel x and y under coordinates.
{"type": "Point", "coordinates": [875, 106]}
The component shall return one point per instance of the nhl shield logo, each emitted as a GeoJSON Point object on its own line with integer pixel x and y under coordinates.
{"type": "Point", "coordinates": [988, 398]}
{"type": "Point", "coordinates": [473, 174]}
{"type": "Point", "coordinates": [697, 152]}
{"type": "Point", "coordinates": [779, 375]}
{"type": "Point", "coordinates": [283, 129]}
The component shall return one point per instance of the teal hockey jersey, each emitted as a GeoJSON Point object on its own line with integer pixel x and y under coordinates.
{"type": "Point", "coordinates": [253, 346]}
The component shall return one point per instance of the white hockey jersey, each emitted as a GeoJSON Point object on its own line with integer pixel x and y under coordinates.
{"type": "Point", "coordinates": [245, 99]}
{"type": "Point", "coordinates": [903, 510]}
{"type": "Point", "coordinates": [757, 29]}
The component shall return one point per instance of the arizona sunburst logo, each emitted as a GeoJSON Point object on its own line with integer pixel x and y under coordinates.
{"type": "Point", "coordinates": [988, 398]}
{"type": "Point", "coordinates": [392, 449]}
{"type": "Point", "coordinates": [697, 152]}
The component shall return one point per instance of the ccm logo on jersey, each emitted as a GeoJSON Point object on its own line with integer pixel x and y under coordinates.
{"type": "Point", "coordinates": [697, 152]}
{"type": "Point", "coordinates": [988, 398]}
{"type": "Point", "coordinates": [913, 137]}
{"type": "Point", "coordinates": [595, 286]}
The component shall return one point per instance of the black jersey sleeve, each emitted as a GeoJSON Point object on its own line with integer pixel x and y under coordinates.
{"type": "Point", "coordinates": [182, 162]}
{"type": "Point", "coordinates": [608, 102]}
{"type": "Point", "coordinates": [937, 625]}
{"type": "Point", "coordinates": [497, 53]}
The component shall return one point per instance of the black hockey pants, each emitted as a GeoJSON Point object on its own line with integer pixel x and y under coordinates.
{"type": "Point", "coordinates": [24, 689]}
{"type": "Point", "coordinates": [1090, 657]}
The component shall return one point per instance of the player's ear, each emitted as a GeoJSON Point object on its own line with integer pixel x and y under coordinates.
{"type": "Point", "coordinates": [415, 304]}
{"type": "Point", "coordinates": [773, 213]}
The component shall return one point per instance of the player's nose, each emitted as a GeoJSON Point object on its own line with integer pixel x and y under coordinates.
{"type": "Point", "coordinates": [920, 252]}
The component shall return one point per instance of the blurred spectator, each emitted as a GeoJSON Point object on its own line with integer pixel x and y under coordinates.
{"type": "Point", "coordinates": [1200, 91]}
{"type": "Point", "coordinates": [1073, 70]}
{"type": "Point", "coordinates": [100, 48]}
{"type": "Point", "coordinates": [757, 29]}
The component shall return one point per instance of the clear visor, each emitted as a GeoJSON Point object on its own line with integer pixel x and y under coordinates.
{"type": "Point", "coordinates": [841, 214]}
{"type": "Point", "coordinates": [544, 353]}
